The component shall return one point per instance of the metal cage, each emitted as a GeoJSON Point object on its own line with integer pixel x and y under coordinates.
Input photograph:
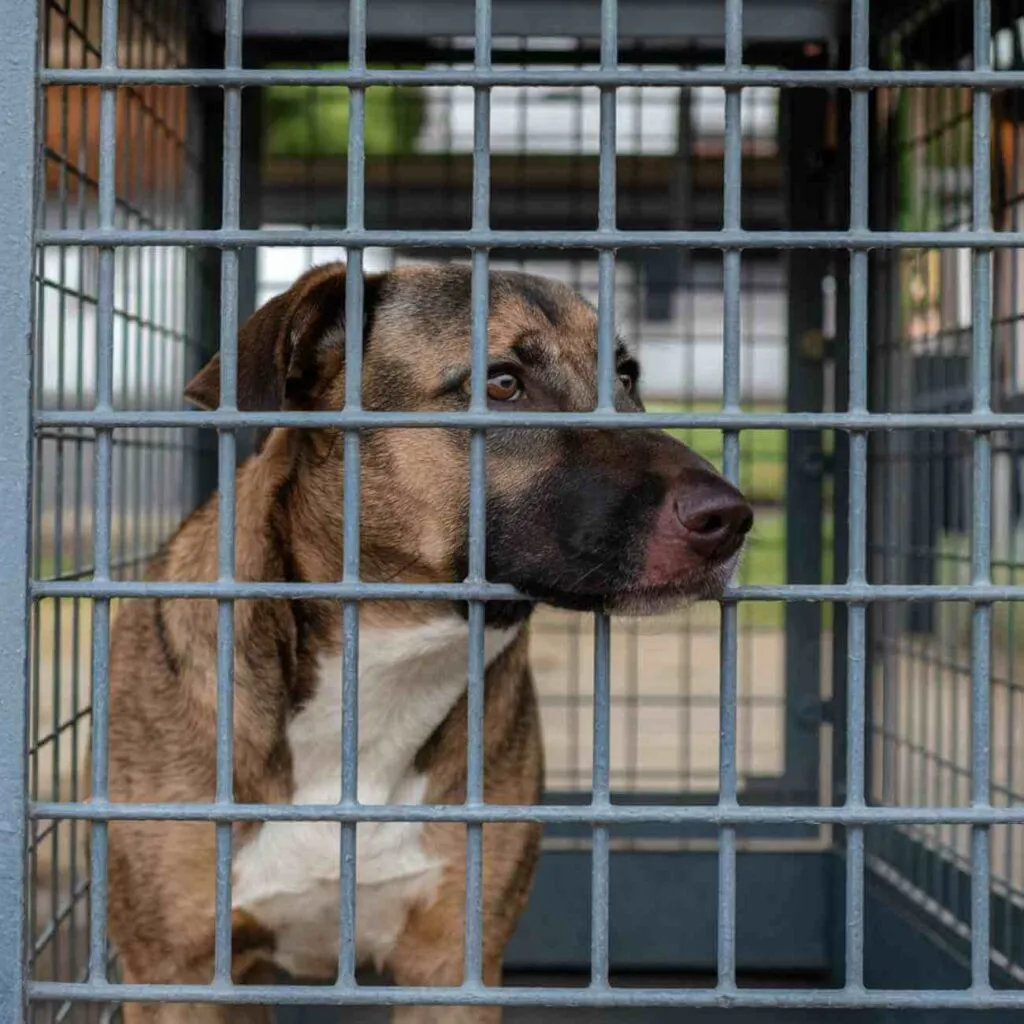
{"type": "Point", "coordinates": [808, 218]}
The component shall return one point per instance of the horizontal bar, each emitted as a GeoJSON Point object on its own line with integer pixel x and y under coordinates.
{"type": "Point", "coordinates": [480, 995]}
{"type": "Point", "coordinates": [353, 238]}
{"type": "Point", "coordinates": [368, 420]}
{"type": "Point", "coordinates": [592, 814]}
{"type": "Point", "coordinates": [862, 78]}
{"type": "Point", "coordinates": [353, 591]}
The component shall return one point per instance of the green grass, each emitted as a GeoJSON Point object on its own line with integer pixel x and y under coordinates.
{"type": "Point", "coordinates": [764, 563]}
{"type": "Point", "coordinates": [763, 481]}
{"type": "Point", "coordinates": [953, 568]}
{"type": "Point", "coordinates": [305, 122]}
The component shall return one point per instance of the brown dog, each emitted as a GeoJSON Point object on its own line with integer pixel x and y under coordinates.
{"type": "Point", "coordinates": [625, 520]}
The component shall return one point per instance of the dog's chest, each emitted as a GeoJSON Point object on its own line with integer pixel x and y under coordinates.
{"type": "Point", "coordinates": [287, 876]}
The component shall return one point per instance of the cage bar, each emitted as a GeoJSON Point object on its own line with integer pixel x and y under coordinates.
{"type": "Point", "coordinates": [981, 532]}
{"type": "Point", "coordinates": [729, 691]}
{"type": "Point", "coordinates": [600, 896]}
{"type": "Point", "coordinates": [226, 465]}
{"type": "Point", "coordinates": [924, 812]}
{"type": "Point", "coordinates": [858, 527]}
{"type": "Point", "coordinates": [355, 316]}
{"type": "Point", "coordinates": [102, 472]}
{"type": "Point", "coordinates": [743, 998]}
{"type": "Point", "coordinates": [477, 568]}
{"type": "Point", "coordinates": [599, 239]}
{"type": "Point", "coordinates": [669, 814]}
{"type": "Point", "coordinates": [745, 78]}
{"type": "Point", "coordinates": [16, 263]}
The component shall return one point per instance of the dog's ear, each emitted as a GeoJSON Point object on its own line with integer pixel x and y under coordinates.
{"type": "Point", "coordinates": [291, 346]}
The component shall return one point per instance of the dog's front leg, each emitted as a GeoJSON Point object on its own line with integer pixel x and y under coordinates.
{"type": "Point", "coordinates": [430, 954]}
{"type": "Point", "coordinates": [441, 975]}
{"type": "Point", "coordinates": [446, 1015]}
{"type": "Point", "coordinates": [202, 1013]}
{"type": "Point", "coordinates": [429, 951]}
{"type": "Point", "coordinates": [194, 1013]}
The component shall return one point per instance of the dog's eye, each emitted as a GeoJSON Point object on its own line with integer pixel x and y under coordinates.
{"type": "Point", "coordinates": [627, 382]}
{"type": "Point", "coordinates": [504, 387]}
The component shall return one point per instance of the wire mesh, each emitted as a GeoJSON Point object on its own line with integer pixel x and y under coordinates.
{"type": "Point", "coordinates": [112, 331]}
{"type": "Point", "coordinates": [652, 178]}
{"type": "Point", "coordinates": [944, 700]}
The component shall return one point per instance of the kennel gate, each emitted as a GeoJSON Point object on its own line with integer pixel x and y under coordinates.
{"type": "Point", "coordinates": [865, 881]}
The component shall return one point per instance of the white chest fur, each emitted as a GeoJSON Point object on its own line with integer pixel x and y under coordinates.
{"type": "Point", "coordinates": [288, 875]}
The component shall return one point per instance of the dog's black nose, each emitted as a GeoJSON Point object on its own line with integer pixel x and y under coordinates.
{"type": "Point", "coordinates": [716, 520]}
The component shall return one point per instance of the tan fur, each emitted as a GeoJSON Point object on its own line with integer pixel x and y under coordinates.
{"type": "Point", "coordinates": [163, 726]}
{"type": "Point", "coordinates": [413, 527]}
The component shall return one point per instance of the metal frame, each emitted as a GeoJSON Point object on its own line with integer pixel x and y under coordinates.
{"type": "Point", "coordinates": [18, 136]}
{"type": "Point", "coordinates": [851, 812]}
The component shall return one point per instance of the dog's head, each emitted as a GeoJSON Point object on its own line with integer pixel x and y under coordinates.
{"type": "Point", "coordinates": [588, 519]}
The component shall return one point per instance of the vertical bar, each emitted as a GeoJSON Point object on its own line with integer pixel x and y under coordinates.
{"type": "Point", "coordinates": [102, 470]}
{"type": "Point", "coordinates": [981, 531]}
{"type": "Point", "coordinates": [602, 797]}
{"type": "Point", "coordinates": [226, 457]}
{"type": "Point", "coordinates": [354, 315]}
{"type": "Point", "coordinates": [36, 500]}
{"type": "Point", "coordinates": [57, 680]}
{"type": "Point", "coordinates": [857, 569]}
{"type": "Point", "coordinates": [599, 894]}
{"type": "Point", "coordinates": [731, 268]}
{"type": "Point", "coordinates": [606, 196]}
{"type": "Point", "coordinates": [78, 558]}
{"type": "Point", "coordinates": [123, 275]}
{"type": "Point", "coordinates": [480, 295]}
{"type": "Point", "coordinates": [17, 134]}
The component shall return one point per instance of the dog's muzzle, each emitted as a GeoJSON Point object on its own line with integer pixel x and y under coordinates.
{"type": "Point", "coordinates": [700, 526]}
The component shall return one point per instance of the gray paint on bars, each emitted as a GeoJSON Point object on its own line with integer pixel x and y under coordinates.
{"type": "Point", "coordinates": [17, 137]}
{"type": "Point", "coordinates": [716, 909]}
{"type": "Point", "coordinates": [746, 78]}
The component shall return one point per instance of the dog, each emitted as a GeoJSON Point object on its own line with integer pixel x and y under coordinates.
{"type": "Point", "coordinates": [621, 521]}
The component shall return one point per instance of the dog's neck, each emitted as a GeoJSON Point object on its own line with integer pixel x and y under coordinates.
{"type": "Point", "coordinates": [290, 527]}
{"type": "Point", "coordinates": [409, 680]}
{"type": "Point", "coordinates": [305, 525]}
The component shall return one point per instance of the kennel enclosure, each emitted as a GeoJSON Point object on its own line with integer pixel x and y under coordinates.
{"type": "Point", "coordinates": [805, 217]}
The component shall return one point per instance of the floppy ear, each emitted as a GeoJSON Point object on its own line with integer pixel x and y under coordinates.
{"type": "Point", "coordinates": [290, 347]}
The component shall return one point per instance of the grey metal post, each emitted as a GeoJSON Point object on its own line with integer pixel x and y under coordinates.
{"type": "Point", "coordinates": [17, 136]}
